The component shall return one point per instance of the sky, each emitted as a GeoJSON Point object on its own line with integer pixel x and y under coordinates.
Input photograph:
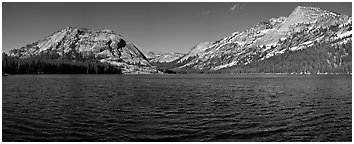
{"type": "Point", "coordinates": [153, 26]}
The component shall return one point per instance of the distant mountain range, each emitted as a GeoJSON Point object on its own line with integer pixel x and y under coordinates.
{"type": "Point", "coordinates": [310, 40]}
{"type": "Point", "coordinates": [162, 57]}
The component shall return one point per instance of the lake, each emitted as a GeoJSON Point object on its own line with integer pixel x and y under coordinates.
{"type": "Point", "coordinates": [177, 107]}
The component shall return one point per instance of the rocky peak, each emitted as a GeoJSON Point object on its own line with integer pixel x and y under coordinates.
{"type": "Point", "coordinates": [68, 28]}
{"type": "Point", "coordinates": [104, 45]}
{"type": "Point", "coordinates": [304, 27]}
{"type": "Point", "coordinates": [303, 10]}
{"type": "Point", "coordinates": [106, 31]}
{"type": "Point", "coordinates": [311, 15]}
{"type": "Point", "coordinates": [310, 12]}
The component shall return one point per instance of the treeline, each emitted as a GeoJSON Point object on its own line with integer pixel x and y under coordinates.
{"type": "Point", "coordinates": [173, 67]}
{"type": "Point", "coordinates": [53, 63]}
{"type": "Point", "coordinates": [317, 59]}
{"type": "Point", "coordinates": [321, 58]}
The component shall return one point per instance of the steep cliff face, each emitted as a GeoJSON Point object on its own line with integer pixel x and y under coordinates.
{"type": "Point", "coordinates": [104, 45]}
{"type": "Point", "coordinates": [304, 28]}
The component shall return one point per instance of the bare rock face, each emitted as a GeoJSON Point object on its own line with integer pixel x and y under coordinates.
{"type": "Point", "coordinates": [105, 45]}
{"type": "Point", "coordinates": [305, 27]}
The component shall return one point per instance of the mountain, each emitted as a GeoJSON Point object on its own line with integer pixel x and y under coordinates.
{"type": "Point", "coordinates": [79, 44]}
{"type": "Point", "coordinates": [309, 40]}
{"type": "Point", "coordinates": [162, 57]}
{"type": "Point", "coordinates": [307, 32]}
{"type": "Point", "coordinates": [164, 61]}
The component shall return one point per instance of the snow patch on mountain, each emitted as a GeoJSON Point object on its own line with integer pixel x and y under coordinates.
{"type": "Point", "coordinates": [225, 65]}
{"type": "Point", "coordinates": [304, 27]}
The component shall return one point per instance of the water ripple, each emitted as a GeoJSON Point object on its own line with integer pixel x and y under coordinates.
{"type": "Point", "coordinates": [176, 108]}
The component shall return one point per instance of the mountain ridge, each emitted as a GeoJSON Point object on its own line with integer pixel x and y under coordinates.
{"type": "Point", "coordinates": [267, 39]}
{"type": "Point", "coordinates": [105, 45]}
{"type": "Point", "coordinates": [162, 57]}
{"type": "Point", "coordinates": [305, 28]}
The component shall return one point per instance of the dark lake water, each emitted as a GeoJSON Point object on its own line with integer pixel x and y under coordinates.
{"type": "Point", "coordinates": [176, 108]}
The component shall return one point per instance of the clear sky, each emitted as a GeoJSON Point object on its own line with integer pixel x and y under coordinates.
{"type": "Point", "coordinates": [169, 27]}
